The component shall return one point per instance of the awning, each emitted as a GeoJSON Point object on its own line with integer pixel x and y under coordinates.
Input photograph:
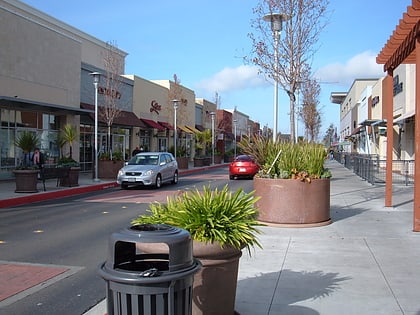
{"type": "Point", "coordinates": [124, 118]}
{"type": "Point", "coordinates": [166, 125]}
{"type": "Point", "coordinates": [405, 116]}
{"type": "Point", "coordinates": [34, 106]}
{"type": "Point", "coordinates": [373, 122]}
{"type": "Point", "coordinates": [357, 130]}
{"type": "Point", "coordinates": [184, 129]}
{"type": "Point", "coordinates": [193, 129]}
{"type": "Point", "coordinates": [199, 127]}
{"type": "Point", "coordinates": [153, 124]}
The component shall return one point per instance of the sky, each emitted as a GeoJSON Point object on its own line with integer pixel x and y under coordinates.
{"type": "Point", "coordinates": [203, 42]}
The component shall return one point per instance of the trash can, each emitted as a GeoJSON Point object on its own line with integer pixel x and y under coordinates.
{"type": "Point", "coordinates": [150, 270]}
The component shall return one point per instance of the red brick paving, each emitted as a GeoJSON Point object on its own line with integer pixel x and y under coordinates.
{"type": "Point", "coordinates": [15, 278]}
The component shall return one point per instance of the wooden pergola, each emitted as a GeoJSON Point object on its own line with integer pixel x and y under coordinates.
{"type": "Point", "coordinates": [403, 47]}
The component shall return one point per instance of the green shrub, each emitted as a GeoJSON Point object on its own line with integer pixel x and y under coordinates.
{"type": "Point", "coordinates": [304, 161]}
{"type": "Point", "coordinates": [210, 216]}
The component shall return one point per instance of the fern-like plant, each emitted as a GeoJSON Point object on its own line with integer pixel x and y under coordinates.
{"type": "Point", "coordinates": [303, 161]}
{"type": "Point", "coordinates": [210, 216]}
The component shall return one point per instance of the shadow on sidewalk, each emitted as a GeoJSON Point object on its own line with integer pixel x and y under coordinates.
{"type": "Point", "coordinates": [289, 287]}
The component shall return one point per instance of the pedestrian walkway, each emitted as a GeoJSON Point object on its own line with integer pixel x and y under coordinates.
{"type": "Point", "coordinates": [365, 262]}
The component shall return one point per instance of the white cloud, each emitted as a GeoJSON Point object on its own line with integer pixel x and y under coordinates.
{"type": "Point", "coordinates": [360, 66]}
{"type": "Point", "coordinates": [232, 79]}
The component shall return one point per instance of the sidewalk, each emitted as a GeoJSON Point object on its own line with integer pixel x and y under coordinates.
{"type": "Point", "coordinates": [365, 262]}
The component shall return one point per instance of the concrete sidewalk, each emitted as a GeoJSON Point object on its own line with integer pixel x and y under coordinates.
{"type": "Point", "coordinates": [365, 262]}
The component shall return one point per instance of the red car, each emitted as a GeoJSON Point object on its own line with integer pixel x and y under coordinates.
{"type": "Point", "coordinates": [243, 166]}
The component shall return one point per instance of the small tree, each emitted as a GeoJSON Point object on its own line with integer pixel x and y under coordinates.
{"type": "Point", "coordinates": [110, 109]}
{"type": "Point", "coordinates": [306, 20]}
{"type": "Point", "coordinates": [309, 112]}
{"type": "Point", "coordinates": [68, 135]}
{"type": "Point", "coordinates": [27, 141]}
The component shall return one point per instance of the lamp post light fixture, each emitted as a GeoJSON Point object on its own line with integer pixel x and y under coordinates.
{"type": "Point", "coordinates": [175, 103]}
{"type": "Point", "coordinates": [276, 20]}
{"type": "Point", "coordinates": [212, 137]}
{"type": "Point", "coordinates": [96, 78]}
{"type": "Point", "coordinates": [235, 124]}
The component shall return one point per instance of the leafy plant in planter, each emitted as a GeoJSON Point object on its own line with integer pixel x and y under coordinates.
{"type": "Point", "coordinates": [27, 141]}
{"type": "Point", "coordinates": [221, 223]}
{"type": "Point", "coordinates": [285, 160]}
{"type": "Point", "coordinates": [293, 183]}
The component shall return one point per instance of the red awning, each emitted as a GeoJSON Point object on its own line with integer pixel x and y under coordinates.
{"type": "Point", "coordinates": [153, 124]}
{"type": "Point", "coordinates": [123, 119]}
{"type": "Point", "coordinates": [166, 125]}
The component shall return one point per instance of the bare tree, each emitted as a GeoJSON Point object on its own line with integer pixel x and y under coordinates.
{"type": "Point", "coordinates": [306, 20]}
{"type": "Point", "coordinates": [175, 93]}
{"type": "Point", "coordinates": [109, 111]}
{"type": "Point", "coordinates": [309, 112]}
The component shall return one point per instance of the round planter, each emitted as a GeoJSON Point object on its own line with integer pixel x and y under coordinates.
{"type": "Point", "coordinates": [293, 203]}
{"type": "Point", "coordinates": [26, 181]}
{"type": "Point", "coordinates": [214, 288]}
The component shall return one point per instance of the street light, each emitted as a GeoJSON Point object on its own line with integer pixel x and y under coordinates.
{"type": "Point", "coordinates": [96, 77]}
{"type": "Point", "coordinates": [212, 137]}
{"type": "Point", "coordinates": [175, 102]}
{"type": "Point", "coordinates": [235, 123]}
{"type": "Point", "coordinates": [276, 20]}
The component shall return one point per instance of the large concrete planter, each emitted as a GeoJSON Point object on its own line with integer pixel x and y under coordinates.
{"type": "Point", "coordinates": [214, 288]}
{"type": "Point", "coordinates": [292, 202]}
{"type": "Point", "coordinates": [109, 169]}
{"type": "Point", "coordinates": [72, 179]}
{"type": "Point", "coordinates": [182, 162]}
{"type": "Point", "coordinates": [26, 181]}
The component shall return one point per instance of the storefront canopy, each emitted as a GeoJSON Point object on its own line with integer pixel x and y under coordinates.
{"type": "Point", "coordinates": [16, 103]}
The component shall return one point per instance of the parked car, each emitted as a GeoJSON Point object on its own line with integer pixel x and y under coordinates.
{"type": "Point", "coordinates": [149, 169]}
{"type": "Point", "coordinates": [243, 166]}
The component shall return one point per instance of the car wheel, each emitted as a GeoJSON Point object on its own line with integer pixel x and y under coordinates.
{"type": "Point", "coordinates": [231, 177]}
{"type": "Point", "coordinates": [158, 182]}
{"type": "Point", "coordinates": [175, 178]}
{"type": "Point", "coordinates": [124, 186]}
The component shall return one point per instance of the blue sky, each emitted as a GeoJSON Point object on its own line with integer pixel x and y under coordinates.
{"type": "Point", "coordinates": [203, 42]}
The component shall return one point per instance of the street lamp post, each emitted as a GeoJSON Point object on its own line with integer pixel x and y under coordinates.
{"type": "Point", "coordinates": [276, 20]}
{"type": "Point", "coordinates": [235, 123]}
{"type": "Point", "coordinates": [175, 103]}
{"type": "Point", "coordinates": [212, 137]}
{"type": "Point", "coordinates": [96, 77]}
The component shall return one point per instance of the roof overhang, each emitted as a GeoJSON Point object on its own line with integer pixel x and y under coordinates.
{"type": "Point", "coordinates": [337, 97]}
{"type": "Point", "coordinates": [401, 46]}
{"type": "Point", "coordinates": [34, 106]}
{"type": "Point", "coordinates": [404, 116]}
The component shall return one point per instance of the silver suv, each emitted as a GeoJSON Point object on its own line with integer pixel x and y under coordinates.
{"type": "Point", "coordinates": [149, 169]}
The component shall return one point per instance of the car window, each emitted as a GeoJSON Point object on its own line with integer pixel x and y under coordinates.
{"type": "Point", "coordinates": [168, 158]}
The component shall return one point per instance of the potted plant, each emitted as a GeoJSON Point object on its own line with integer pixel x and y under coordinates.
{"type": "Point", "coordinates": [70, 166]}
{"type": "Point", "coordinates": [109, 164]}
{"type": "Point", "coordinates": [202, 144]}
{"type": "Point", "coordinates": [292, 182]}
{"type": "Point", "coordinates": [221, 224]}
{"type": "Point", "coordinates": [26, 174]}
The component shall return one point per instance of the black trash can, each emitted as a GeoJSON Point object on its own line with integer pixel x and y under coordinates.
{"type": "Point", "coordinates": [150, 271]}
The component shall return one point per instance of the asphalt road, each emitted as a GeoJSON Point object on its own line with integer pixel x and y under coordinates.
{"type": "Point", "coordinates": [74, 232]}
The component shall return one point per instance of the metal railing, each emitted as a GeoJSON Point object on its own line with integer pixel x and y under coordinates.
{"type": "Point", "coordinates": [372, 169]}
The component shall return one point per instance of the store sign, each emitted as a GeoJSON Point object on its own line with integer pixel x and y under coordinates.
{"type": "Point", "coordinates": [398, 86]}
{"type": "Point", "coordinates": [109, 92]}
{"type": "Point", "coordinates": [375, 101]}
{"type": "Point", "coordinates": [155, 107]}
